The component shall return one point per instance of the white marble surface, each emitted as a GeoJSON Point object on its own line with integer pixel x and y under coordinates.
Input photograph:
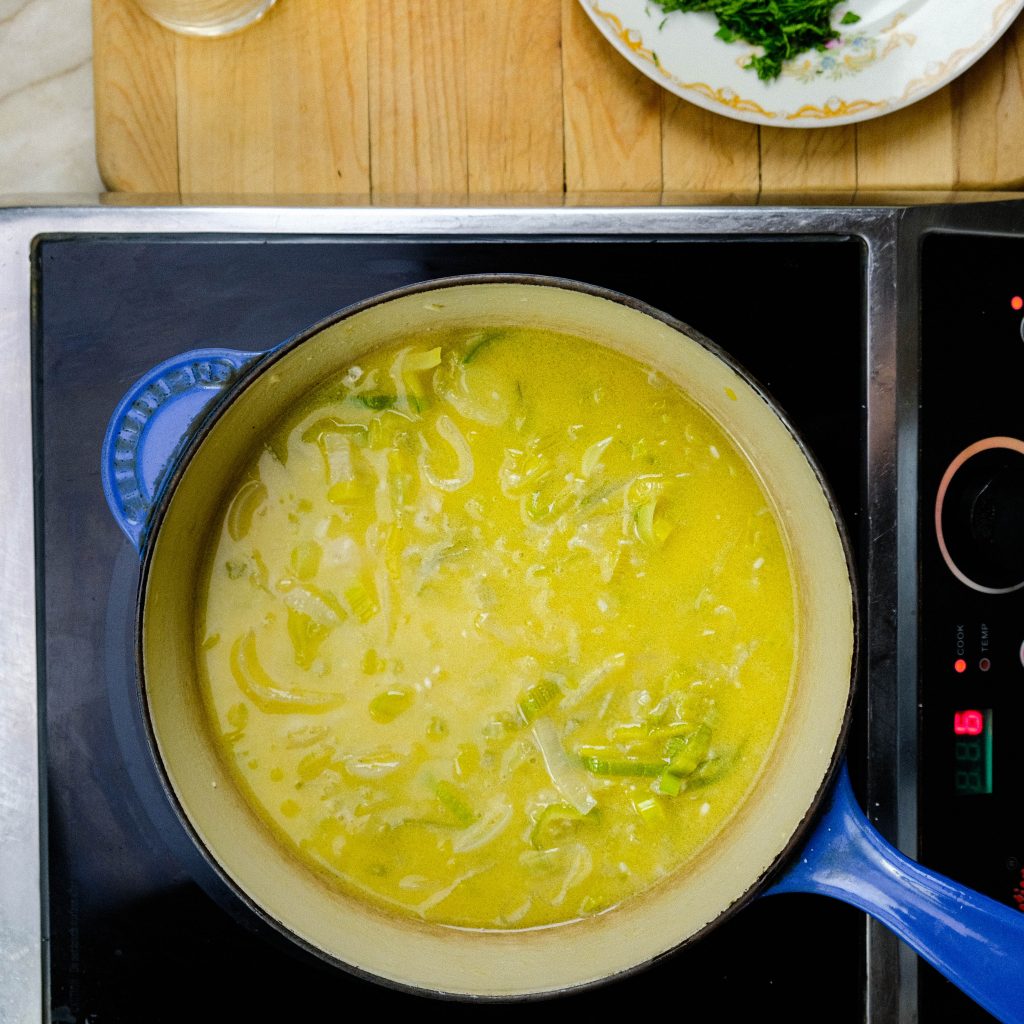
{"type": "Point", "coordinates": [47, 132]}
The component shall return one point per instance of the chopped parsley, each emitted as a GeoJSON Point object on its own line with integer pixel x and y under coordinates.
{"type": "Point", "coordinates": [784, 28]}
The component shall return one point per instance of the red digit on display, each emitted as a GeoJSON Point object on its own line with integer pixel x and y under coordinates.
{"type": "Point", "coordinates": [968, 723]}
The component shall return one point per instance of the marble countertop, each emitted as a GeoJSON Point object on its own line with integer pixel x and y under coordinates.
{"type": "Point", "coordinates": [47, 132]}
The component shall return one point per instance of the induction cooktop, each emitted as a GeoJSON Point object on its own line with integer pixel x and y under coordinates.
{"type": "Point", "coordinates": [891, 337]}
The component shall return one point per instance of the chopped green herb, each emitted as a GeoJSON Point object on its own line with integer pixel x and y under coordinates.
{"type": "Point", "coordinates": [784, 28]}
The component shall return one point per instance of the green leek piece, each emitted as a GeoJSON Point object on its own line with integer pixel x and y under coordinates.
{"type": "Point", "coordinates": [348, 492]}
{"type": "Point", "coordinates": [675, 730]}
{"type": "Point", "coordinates": [306, 636]}
{"type": "Point", "coordinates": [238, 716]}
{"type": "Point", "coordinates": [401, 478]}
{"type": "Point", "coordinates": [688, 752]}
{"type": "Point", "coordinates": [244, 506]}
{"type": "Point", "coordinates": [348, 479]}
{"type": "Point", "coordinates": [388, 432]}
{"type": "Point", "coordinates": [314, 763]}
{"type": "Point", "coordinates": [651, 528]}
{"type": "Point", "coordinates": [478, 344]}
{"type": "Point", "coordinates": [328, 599]}
{"type": "Point", "coordinates": [236, 568]}
{"type": "Point", "coordinates": [543, 507]}
{"type": "Point", "coordinates": [306, 559]}
{"type": "Point", "coordinates": [373, 663]}
{"type": "Point", "coordinates": [416, 362]}
{"type": "Point", "coordinates": [362, 602]}
{"type": "Point", "coordinates": [260, 575]}
{"type": "Point", "coordinates": [389, 704]}
{"type": "Point", "coordinates": [651, 809]}
{"type": "Point", "coordinates": [556, 822]}
{"type": "Point", "coordinates": [674, 745]}
{"type": "Point", "coordinates": [669, 784]}
{"type": "Point", "coordinates": [713, 769]}
{"type": "Point", "coordinates": [451, 799]}
{"type": "Point", "coordinates": [538, 697]}
{"type": "Point", "coordinates": [377, 402]}
{"type": "Point", "coordinates": [331, 612]}
{"type": "Point", "coordinates": [592, 456]}
{"type": "Point", "coordinates": [467, 760]}
{"type": "Point", "coordinates": [599, 764]}
{"type": "Point", "coordinates": [630, 733]}
{"type": "Point", "coordinates": [414, 366]}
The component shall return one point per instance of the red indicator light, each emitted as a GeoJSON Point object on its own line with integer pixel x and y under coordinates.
{"type": "Point", "coordinates": [984, 664]}
{"type": "Point", "coordinates": [960, 665]}
{"type": "Point", "coordinates": [968, 723]}
{"type": "Point", "coordinates": [1017, 302]}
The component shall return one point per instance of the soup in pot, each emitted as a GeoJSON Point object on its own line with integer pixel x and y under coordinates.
{"type": "Point", "coordinates": [498, 629]}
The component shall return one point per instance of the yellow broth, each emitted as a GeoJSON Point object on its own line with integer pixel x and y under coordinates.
{"type": "Point", "coordinates": [498, 629]}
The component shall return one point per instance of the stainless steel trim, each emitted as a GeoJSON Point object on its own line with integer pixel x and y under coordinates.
{"type": "Point", "coordinates": [21, 953]}
{"type": "Point", "coordinates": [886, 981]}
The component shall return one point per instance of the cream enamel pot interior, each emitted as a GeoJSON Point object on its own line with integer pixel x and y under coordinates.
{"type": "Point", "coordinates": [169, 456]}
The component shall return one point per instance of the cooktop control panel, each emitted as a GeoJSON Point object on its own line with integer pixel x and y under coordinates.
{"type": "Point", "coordinates": [971, 544]}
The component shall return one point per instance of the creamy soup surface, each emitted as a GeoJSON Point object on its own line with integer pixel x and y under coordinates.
{"type": "Point", "coordinates": [498, 630]}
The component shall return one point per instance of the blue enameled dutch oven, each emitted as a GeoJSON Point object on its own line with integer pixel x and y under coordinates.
{"type": "Point", "coordinates": [173, 447]}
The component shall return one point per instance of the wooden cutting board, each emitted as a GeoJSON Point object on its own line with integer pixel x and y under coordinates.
{"type": "Point", "coordinates": [456, 101]}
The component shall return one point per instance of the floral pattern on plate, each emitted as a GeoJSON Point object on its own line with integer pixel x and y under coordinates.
{"type": "Point", "coordinates": [897, 53]}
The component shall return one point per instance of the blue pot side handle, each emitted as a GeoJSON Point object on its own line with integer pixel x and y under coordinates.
{"type": "Point", "coordinates": [976, 942]}
{"type": "Point", "coordinates": [153, 422]}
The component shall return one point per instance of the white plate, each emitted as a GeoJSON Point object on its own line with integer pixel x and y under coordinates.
{"type": "Point", "coordinates": [899, 52]}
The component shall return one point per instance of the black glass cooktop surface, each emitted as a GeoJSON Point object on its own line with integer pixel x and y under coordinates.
{"type": "Point", "coordinates": [138, 926]}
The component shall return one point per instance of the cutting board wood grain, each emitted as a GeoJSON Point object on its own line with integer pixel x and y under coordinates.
{"type": "Point", "coordinates": [454, 101]}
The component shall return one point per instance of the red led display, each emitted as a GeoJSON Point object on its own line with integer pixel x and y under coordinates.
{"type": "Point", "coordinates": [968, 723]}
{"type": "Point", "coordinates": [1017, 302]}
{"type": "Point", "coordinates": [960, 665]}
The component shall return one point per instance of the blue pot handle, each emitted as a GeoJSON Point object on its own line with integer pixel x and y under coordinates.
{"type": "Point", "coordinates": [976, 942]}
{"type": "Point", "coordinates": [153, 422]}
